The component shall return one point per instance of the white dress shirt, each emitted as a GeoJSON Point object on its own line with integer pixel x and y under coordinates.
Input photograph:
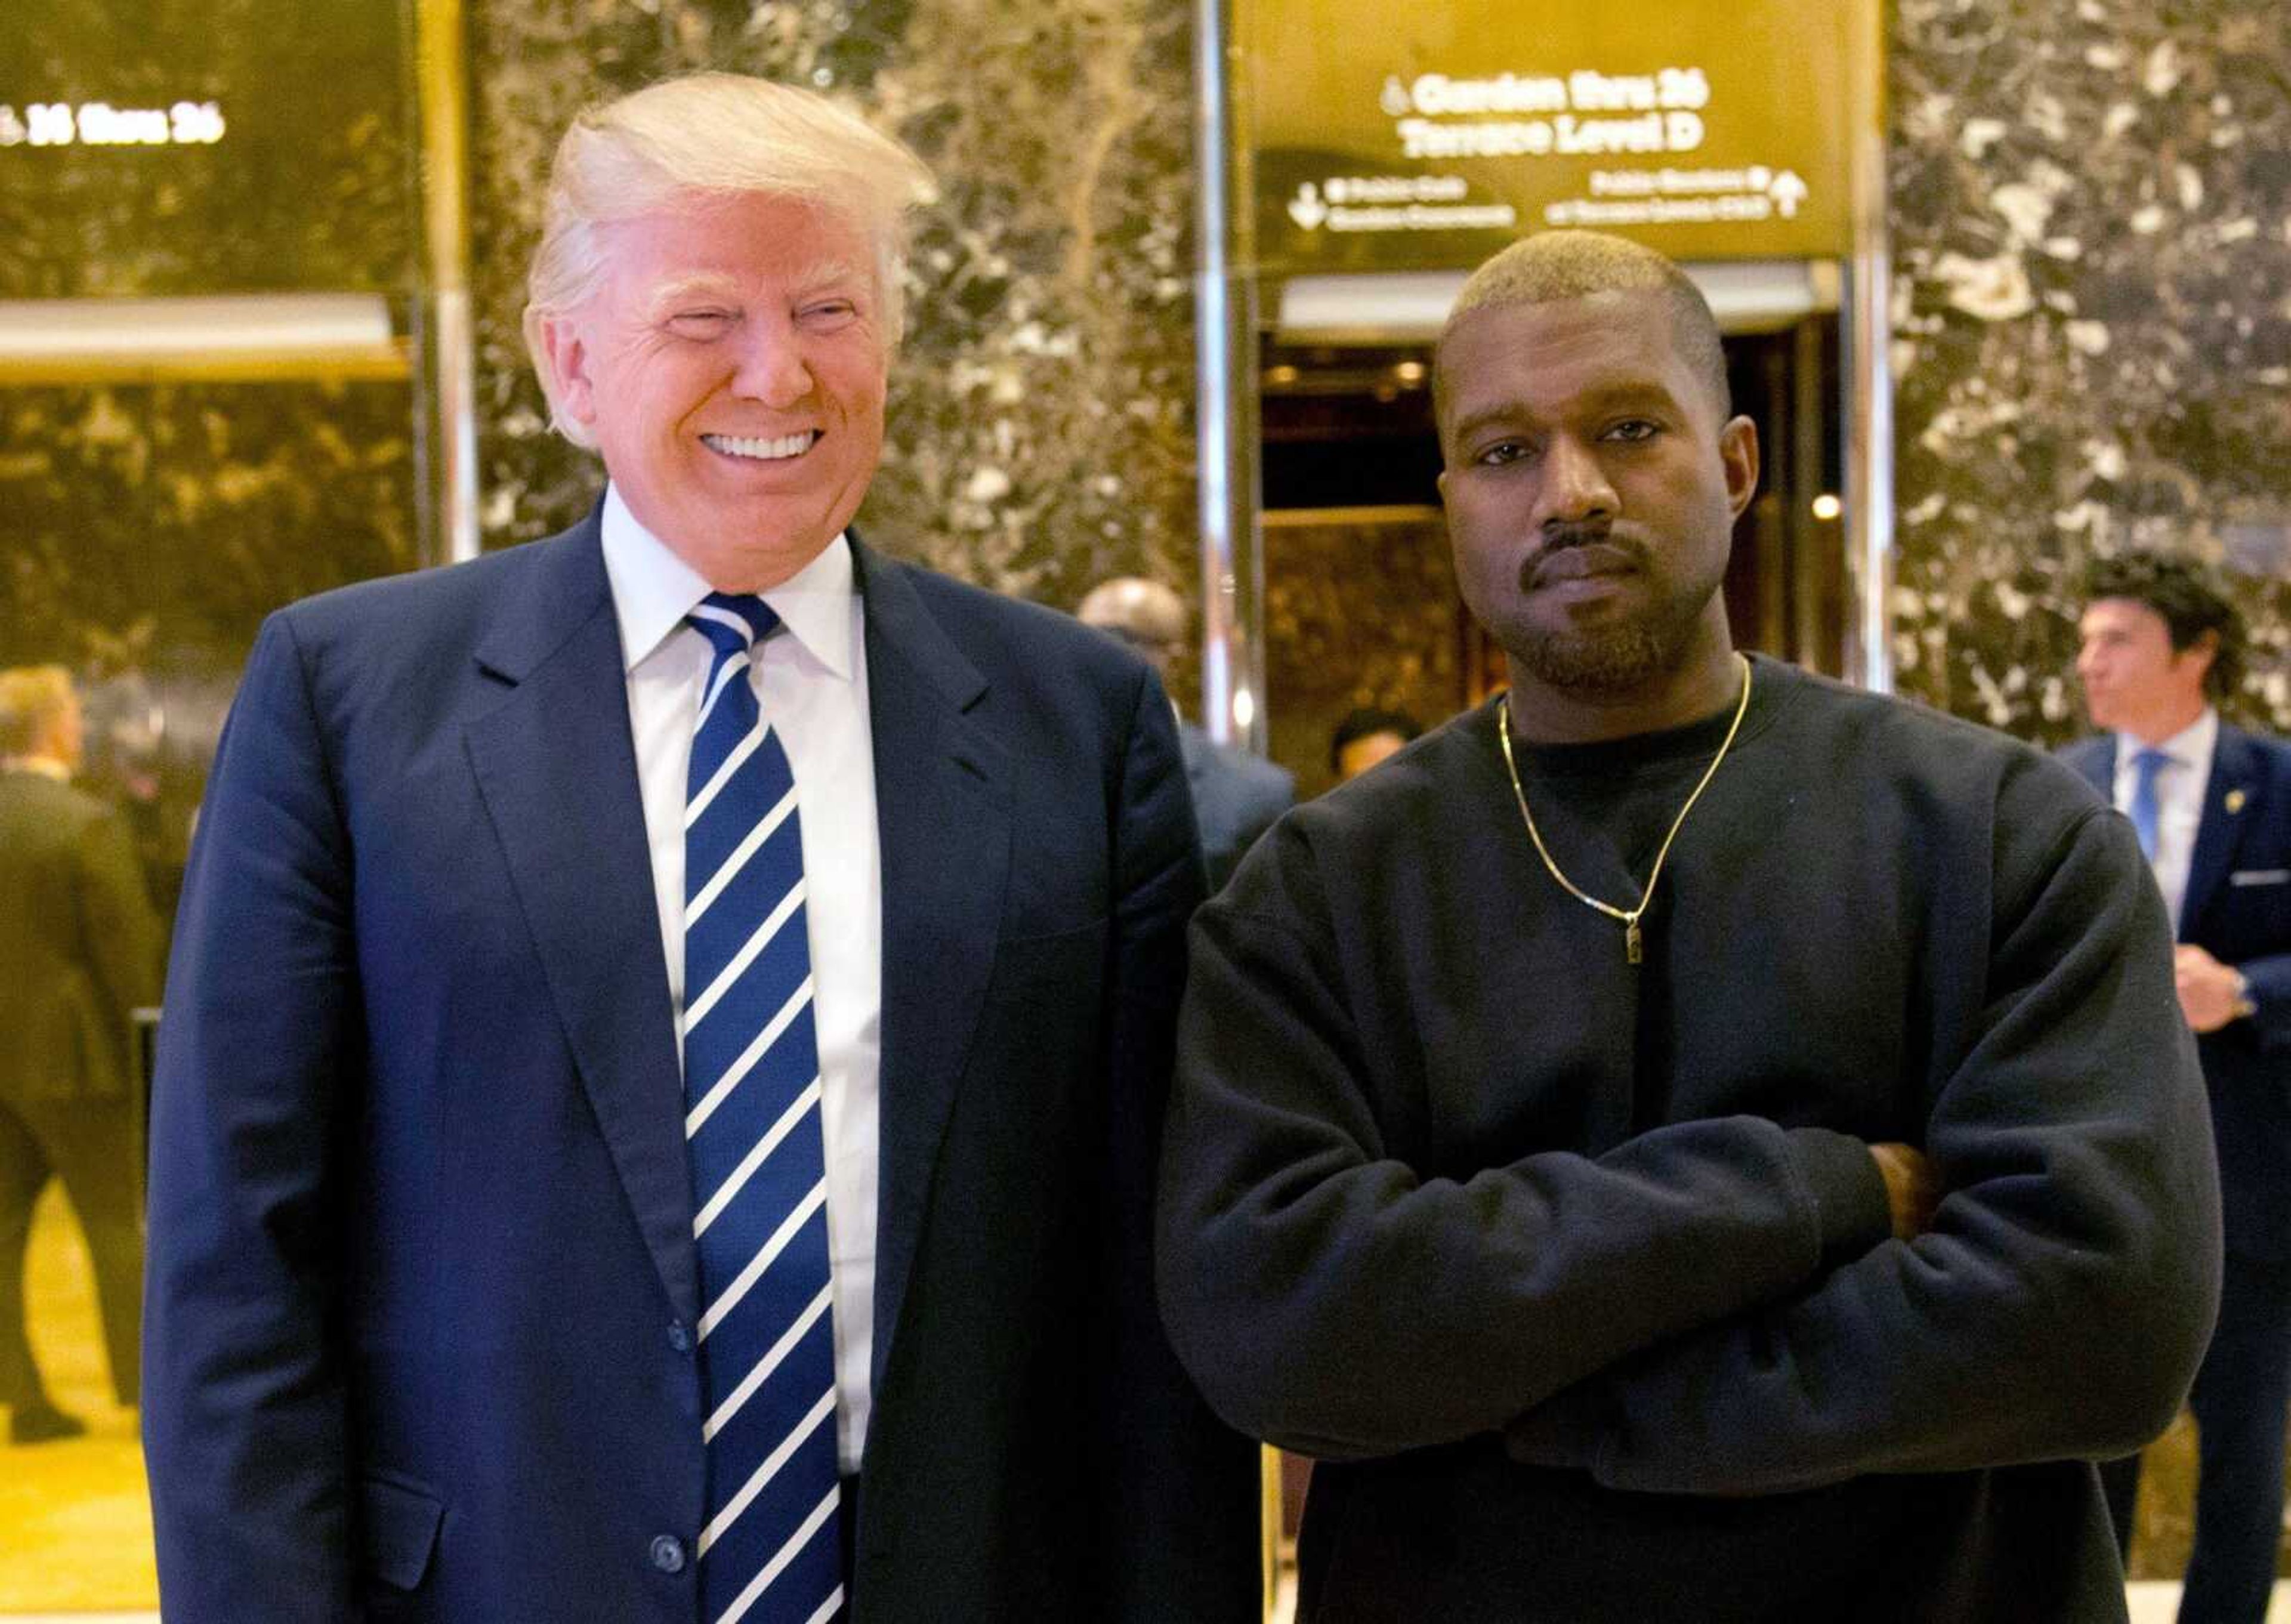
{"type": "Point", "coordinates": [2180, 784]}
{"type": "Point", "coordinates": [811, 682]}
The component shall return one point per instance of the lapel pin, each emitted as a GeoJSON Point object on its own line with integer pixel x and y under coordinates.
{"type": "Point", "coordinates": [2235, 799]}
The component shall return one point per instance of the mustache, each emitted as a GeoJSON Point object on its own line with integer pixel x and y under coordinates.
{"type": "Point", "coordinates": [1558, 539]}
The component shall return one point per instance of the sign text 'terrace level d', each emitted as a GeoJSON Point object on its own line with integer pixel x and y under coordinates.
{"type": "Point", "coordinates": [1424, 139]}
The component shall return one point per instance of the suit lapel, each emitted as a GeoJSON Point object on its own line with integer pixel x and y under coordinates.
{"type": "Point", "coordinates": [2227, 810]}
{"type": "Point", "coordinates": [2097, 761]}
{"type": "Point", "coordinates": [555, 763]}
{"type": "Point", "coordinates": [942, 815]}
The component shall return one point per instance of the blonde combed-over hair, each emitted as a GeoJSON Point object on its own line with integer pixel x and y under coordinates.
{"type": "Point", "coordinates": [690, 142]}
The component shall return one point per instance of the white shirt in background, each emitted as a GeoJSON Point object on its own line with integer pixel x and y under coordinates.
{"type": "Point", "coordinates": [2180, 786]}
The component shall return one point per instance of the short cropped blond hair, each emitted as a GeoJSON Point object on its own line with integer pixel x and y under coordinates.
{"type": "Point", "coordinates": [1558, 265]}
{"type": "Point", "coordinates": [31, 698]}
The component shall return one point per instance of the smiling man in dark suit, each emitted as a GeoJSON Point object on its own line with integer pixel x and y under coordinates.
{"type": "Point", "coordinates": [2212, 806]}
{"type": "Point", "coordinates": [665, 1048]}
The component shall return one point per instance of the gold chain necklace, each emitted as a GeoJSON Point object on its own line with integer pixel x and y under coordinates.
{"type": "Point", "coordinates": [1629, 917]}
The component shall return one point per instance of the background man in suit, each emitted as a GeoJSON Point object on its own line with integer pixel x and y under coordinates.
{"type": "Point", "coordinates": [2212, 805]}
{"type": "Point", "coordinates": [78, 951]}
{"type": "Point", "coordinates": [1236, 795]}
{"type": "Point", "coordinates": [464, 1303]}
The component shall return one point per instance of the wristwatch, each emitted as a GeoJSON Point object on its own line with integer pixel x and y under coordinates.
{"type": "Point", "coordinates": [2243, 1007]}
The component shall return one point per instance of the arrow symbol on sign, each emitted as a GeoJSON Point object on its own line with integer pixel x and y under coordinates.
{"type": "Point", "coordinates": [1306, 209]}
{"type": "Point", "coordinates": [1787, 192]}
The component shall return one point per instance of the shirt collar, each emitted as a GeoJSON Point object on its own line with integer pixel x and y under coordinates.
{"type": "Point", "coordinates": [654, 590]}
{"type": "Point", "coordinates": [2192, 742]}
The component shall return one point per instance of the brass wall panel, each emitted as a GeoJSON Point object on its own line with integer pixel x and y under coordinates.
{"type": "Point", "coordinates": [1360, 609]}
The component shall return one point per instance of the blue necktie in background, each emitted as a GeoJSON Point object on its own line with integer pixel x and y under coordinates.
{"type": "Point", "coordinates": [2147, 763]}
{"type": "Point", "coordinates": [769, 1551]}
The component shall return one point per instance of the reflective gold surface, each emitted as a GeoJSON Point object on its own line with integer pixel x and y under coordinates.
{"type": "Point", "coordinates": [391, 361]}
{"type": "Point", "coordinates": [74, 1515]}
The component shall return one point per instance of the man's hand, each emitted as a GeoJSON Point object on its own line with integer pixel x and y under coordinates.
{"type": "Point", "coordinates": [2208, 989]}
{"type": "Point", "coordinates": [1911, 1190]}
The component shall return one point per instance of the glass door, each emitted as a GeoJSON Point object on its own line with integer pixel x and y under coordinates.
{"type": "Point", "coordinates": [211, 402]}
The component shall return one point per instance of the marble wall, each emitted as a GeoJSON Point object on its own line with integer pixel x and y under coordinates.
{"type": "Point", "coordinates": [1040, 419]}
{"type": "Point", "coordinates": [2091, 213]}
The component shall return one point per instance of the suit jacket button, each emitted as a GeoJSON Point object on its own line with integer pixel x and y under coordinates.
{"type": "Point", "coordinates": [668, 1554]}
{"type": "Point", "coordinates": [679, 1339]}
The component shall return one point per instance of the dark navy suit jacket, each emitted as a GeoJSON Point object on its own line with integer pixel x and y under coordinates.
{"type": "Point", "coordinates": [422, 1271]}
{"type": "Point", "coordinates": [1237, 797]}
{"type": "Point", "coordinates": [2239, 910]}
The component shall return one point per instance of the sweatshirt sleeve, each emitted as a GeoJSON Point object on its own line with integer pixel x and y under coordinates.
{"type": "Point", "coordinates": [1330, 1299]}
{"type": "Point", "coordinates": [2062, 1299]}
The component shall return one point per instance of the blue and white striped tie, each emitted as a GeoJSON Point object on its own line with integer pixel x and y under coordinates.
{"type": "Point", "coordinates": [769, 1552]}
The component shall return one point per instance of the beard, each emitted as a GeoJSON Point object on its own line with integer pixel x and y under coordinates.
{"type": "Point", "coordinates": [1603, 660]}
{"type": "Point", "coordinates": [1618, 657]}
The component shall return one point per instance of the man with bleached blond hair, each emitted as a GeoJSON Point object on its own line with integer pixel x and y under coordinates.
{"type": "Point", "coordinates": [666, 1042]}
{"type": "Point", "coordinates": [1683, 1140]}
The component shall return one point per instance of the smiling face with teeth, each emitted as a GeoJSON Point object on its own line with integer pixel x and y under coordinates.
{"type": "Point", "coordinates": [731, 367]}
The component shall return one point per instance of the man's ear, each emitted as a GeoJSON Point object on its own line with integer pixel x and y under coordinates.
{"type": "Point", "coordinates": [2203, 651]}
{"type": "Point", "coordinates": [1738, 454]}
{"type": "Point", "coordinates": [565, 351]}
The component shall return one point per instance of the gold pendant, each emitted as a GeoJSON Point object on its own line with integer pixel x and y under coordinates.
{"type": "Point", "coordinates": [1631, 941]}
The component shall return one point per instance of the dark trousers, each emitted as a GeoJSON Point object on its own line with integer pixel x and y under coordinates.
{"type": "Point", "coordinates": [2242, 1393]}
{"type": "Point", "coordinates": [88, 1144]}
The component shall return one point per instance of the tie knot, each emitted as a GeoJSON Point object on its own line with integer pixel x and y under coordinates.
{"type": "Point", "coordinates": [733, 621]}
{"type": "Point", "coordinates": [2149, 762]}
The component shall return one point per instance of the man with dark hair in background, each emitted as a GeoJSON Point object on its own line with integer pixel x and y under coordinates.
{"type": "Point", "coordinates": [2159, 648]}
{"type": "Point", "coordinates": [1366, 736]}
{"type": "Point", "coordinates": [1562, 1107]}
{"type": "Point", "coordinates": [79, 951]}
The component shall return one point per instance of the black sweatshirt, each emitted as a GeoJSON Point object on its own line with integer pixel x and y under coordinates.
{"type": "Point", "coordinates": [1583, 1269]}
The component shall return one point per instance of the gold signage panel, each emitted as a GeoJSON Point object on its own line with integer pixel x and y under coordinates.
{"type": "Point", "coordinates": [1424, 137]}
